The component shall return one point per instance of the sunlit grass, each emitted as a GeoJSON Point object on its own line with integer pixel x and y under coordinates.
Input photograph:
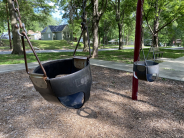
{"type": "Point", "coordinates": [112, 46]}
{"type": "Point", "coordinates": [46, 44]}
{"type": "Point", "coordinates": [16, 59]}
{"type": "Point", "coordinates": [125, 56]}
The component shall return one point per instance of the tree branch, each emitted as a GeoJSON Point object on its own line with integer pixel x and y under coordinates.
{"type": "Point", "coordinates": [167, 23]}
{"type": "Point", "coordinates": [103, 9]}
{"type": "Point", "coordinates": [148, 23]}
{"type": "Point", "coordinates": [112, 3]}
{"type": "Point", "coordinates": [166, 4]}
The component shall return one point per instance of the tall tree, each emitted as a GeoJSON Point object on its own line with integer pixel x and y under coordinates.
{"type": "Point", "coordinates": [16, 38]}
{"type": "Point", "coordinates": [29, 16]}
{"type": "Point", "coordinates": [98, 11]}
{"type": "Point", "coordinates": [129, 32]}
{"type": "Point", "coordinates": [7, 11]}
{"type": "Point", "coordinates": [107, 25]}
{"type": "Point", "coordinates": [3, 17]}
{"type": "Point", "coordinates": [160, 13]}
{"type": "Point", "coordinates": [73, 9]}
{"type": "Point", "coordinates": [123, 10]}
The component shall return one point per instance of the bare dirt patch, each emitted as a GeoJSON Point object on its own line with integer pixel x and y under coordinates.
{"type": "Point", "coordinates": [110, 112]}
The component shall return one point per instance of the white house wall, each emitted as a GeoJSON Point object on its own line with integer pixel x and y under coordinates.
{"type": "Point", "coordinates": [66, 34]}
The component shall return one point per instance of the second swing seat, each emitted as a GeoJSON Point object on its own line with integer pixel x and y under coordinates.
{"type": "Point", "coordinates": [146, 70]}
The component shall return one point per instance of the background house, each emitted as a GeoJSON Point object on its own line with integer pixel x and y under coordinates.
{"type": "Point", "coordinates": [34, 35]}
{"type": "Point", "coordinates": [5, 35]}
{"type": "Point", "coordinates": [61, 32]}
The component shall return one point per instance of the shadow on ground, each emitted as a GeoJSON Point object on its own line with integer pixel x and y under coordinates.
{"type": "Point", "coordinates": [110, 112]}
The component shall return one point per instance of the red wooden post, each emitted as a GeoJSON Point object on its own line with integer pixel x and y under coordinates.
{"type": "Point", "coordinates": [137, 45]}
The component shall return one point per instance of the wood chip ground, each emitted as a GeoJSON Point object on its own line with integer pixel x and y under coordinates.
{"type": "Point", "coordinates": [110, 112]}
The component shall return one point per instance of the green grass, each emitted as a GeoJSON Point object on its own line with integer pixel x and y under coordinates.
{"type": "Point", "coordinates": [16, 59]}
{"type": "Point", "coordinates": [46, 44]}
{"type": "Point", "coordinates": [56, 44]}
{"type": "Point", "coordinates": [116, 55]}
{"type": "Point", "coordinates": [125, 56]}
{"type": "Point", "coordinates": [109, 46]}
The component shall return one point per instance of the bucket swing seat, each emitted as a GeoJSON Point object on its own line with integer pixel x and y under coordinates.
{"type": "Point", "coordinates": [71, 90]}
{"type": "Point", "coordinates": [146, 70]}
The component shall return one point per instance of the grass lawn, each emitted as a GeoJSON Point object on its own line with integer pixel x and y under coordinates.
{"type": "Point", "coordinates": [56, 44]}
{"type": "Point", "coordinates": [125, 56]}
{"type": "Point", "coordinates": [46, 44]}
{"type": "Point", "coordinates": [109, 46]}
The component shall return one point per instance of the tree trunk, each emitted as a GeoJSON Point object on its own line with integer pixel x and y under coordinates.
{"type": "Point", "coordinates": [127, 39]}
{"type": "Point", "coordinates": [95, 39]}
{"type": "Point", "coordinates": [104, 35]}
{"type": "Point", "coordinates": [85, 42]}
{"type": "Point", "coordinates": [155, 40]}
{"type": "Point", "coordinates": [103, 40]}
{"type": "Point", "coordinates": [95, 28]}
{"type": "Point", "coordinates": [156, 25]}
{"type": "Point", "coordinates": [85, 36]}
{"type": "Point", "coordinates": [8, 24]}
{"type": "Point", "coordinates": [142, 37]}
{"type": "Point", "coordinates": [16, 38]}
{"type": "Point", "coordinates": [120, 36]}
{"type": "Point", "coordinates": [96, 18]}
{"type": "Point", "coordinates": [123, 36]}
{"type": "Point", "coordinates": [99, 40]}
{"type": "Point", "coordinates": [106, 41]}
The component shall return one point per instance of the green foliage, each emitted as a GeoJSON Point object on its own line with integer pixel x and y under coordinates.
{"type": "Point", "coordinates": [3, 17]}
{"type": "Point", "coordinates": [162, 17]}
{"type": "Point", "coordinates": [35, 14]}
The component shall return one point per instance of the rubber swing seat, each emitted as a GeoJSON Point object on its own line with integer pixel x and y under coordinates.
{"type": "Point", "coordinates": [72, 90]}
{"type": "Point", "coordinates": [146, 70]}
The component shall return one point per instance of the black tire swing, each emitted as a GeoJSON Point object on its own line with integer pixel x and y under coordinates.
{"type": "Point", "coordinates": [146, 70]}
{"type": "Point", "coordinates": [72, 90]}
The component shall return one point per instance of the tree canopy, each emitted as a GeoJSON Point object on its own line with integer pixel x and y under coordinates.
{"type": "Point", "coordinates": [113, 19]}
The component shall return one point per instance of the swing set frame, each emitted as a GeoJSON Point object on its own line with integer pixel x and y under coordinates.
{"type": "Point", "coordinates": [138, 31]}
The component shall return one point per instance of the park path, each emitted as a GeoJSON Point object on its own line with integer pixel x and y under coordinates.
{"type": "Point", "coordinates": [170, 68]}
{"type": "Point", "coordinates": [55, 51]}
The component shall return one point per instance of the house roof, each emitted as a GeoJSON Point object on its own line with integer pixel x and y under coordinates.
{"type": "Point", "coordinates": [30, 32]}
{"type": "Point", "coordinates": [54, 28]}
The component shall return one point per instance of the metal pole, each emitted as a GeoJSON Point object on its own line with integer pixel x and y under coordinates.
{"type": "Point", "coordinates": [138, 30]}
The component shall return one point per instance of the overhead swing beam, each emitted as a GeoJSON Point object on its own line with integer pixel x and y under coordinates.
{"type": "Point", "coordinates": [137, 45]}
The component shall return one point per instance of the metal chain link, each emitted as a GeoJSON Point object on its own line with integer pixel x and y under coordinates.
{"type": "Point", "coordinates": [19, 25]}
{"type": "Point", "coordinates": [23, 34]}
{"type": "Point", "coordinates": [84, 28]}
{"type": "Point", "coordinates": [142, 1]}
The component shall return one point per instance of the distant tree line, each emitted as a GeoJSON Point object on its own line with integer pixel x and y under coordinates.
{"type": "Point", "coordinates": [163, 20]}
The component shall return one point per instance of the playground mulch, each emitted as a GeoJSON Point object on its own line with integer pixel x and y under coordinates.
{"type": "Point", "coordinates": [110, 112]}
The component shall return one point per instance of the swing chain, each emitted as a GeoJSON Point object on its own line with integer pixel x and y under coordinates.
{"type": "Point", "coordinates": [23, 34]}
{"type": "Point", "coordinates": [19, 25]}
{"type": "Point", "coordinates": [84, 28]}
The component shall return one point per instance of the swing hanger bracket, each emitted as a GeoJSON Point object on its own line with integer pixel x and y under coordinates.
{"type": "Point", "coordinates": [19, 25]}
{"type": "Point", "coordinates": [23, 29]}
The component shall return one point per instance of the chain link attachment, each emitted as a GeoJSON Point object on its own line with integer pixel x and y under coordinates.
{"type": "Point", "coordinates": [84, 28]}
{"type": "Point", "coordinates": [18, 17]}
{"type": "Point", "coordinates": [23, 29]}
{"type": "Point", "coordinates": [16, 9]}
